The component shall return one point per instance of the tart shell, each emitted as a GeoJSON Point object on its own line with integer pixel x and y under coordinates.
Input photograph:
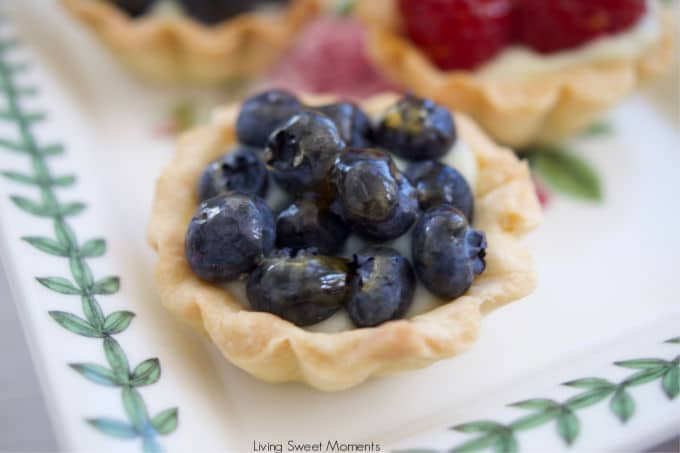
{"type": "Point", "coordinates": [181, 50]}
{"type": "Point", "coordinates": [276, 350]}
{"type": "Point", "coordinates": [542, 110]}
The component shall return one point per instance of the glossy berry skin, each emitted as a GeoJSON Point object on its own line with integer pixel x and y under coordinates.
{"type": "Point", "coordinates": [134, 8]}
{"type": "Point", "coordinates": [437, 183]}
{"type": "Point", "coordinates": [460, 34]}
{"type": "Point", "coordinates": [376, 200]}
{"type": "Point", "coordinates": [416, 129]}
{"type": "Point", "coordinates": [303, 288]}
{"type": "Point", "coordinates": [550, 26]}
{"type": "Point", "coordinates": [228, 235]}
{"type": "Point", "coordinates": [381, 288]}
{"type": "Point", "coordinates": [240, 170]}
{"type": "Point", "coordinates": [302, 152]}
{"type": "Point", "coordinates": [261, 114]}
{"type": "Point", "coordinates": [305, 224]}
{"type": "Point", "coordinates": [447, 253]}
{"type": "Point", "coordinates": [353, 124]}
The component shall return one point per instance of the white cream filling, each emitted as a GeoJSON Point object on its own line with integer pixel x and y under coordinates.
{"type": "Point", "coordinates": [166, 9]}
{"type": "Point", "coordinates": [460, 157]}
{"type": "Point", "coordinates": [522, 62]}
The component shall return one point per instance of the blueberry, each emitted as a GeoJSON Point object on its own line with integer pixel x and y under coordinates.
{"type": "Point", "coordinates": [211, 12]}
{"type": "Point", "coordinates": [352, 123]}
{"type": "Point", "coordinates": [134, 8]}
{"type": "Point", "coordinates": [306, 224]}
{"type": "Point", "coordinates": [302, 152]}
{"type": "Point", "coordinates": [376, 200]}
{"type": "Point", "coordinates": [228, 235]}
{"type": "Point", "coordinates": [261, 114]}
{"type": "Point", "coordinates": [447, 253]}
{"type": "Point", "coordinates": [416, 129]}
{"type": "Point", "coordinates": [240, 170]}
{"type": "Point", "coordinates": [381, 288]}
{"type": "Point", "coordinates": [437, 184]}
{"type": "Point", "coordinates": [303, 288]}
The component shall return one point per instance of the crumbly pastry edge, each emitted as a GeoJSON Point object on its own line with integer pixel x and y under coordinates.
{"type": "Point", "coordinates": [275, 350]}
{"type": "Point", "coordinates": [180, 50]}
{"type": "Point", "coordinates": [542, 110]}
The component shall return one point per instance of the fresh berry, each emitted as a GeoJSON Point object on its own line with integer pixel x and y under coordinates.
{"type": "Point", "coordinates": [228, 235]}
{"type": "Point", "coordinates": [211, 12]}
{"type": "Point", "coordinates": [302, 152]}
{"type": "Point", "coordinates": [240, 170]}
{"type": "Point", "coordinates": [447, 253]}
{"type": "Point", "coordinates": [261, 114]}
{"type": "Point", "coordinates": [303, 288]}
{"type": "Point", "coordinates": [416, 129]}
{"type": "Point", "coordinates": [341, 41]}
{"type": "Point", "coordinates": [550, 26]}
{"type": "Point", "coordinates": [306, 224]}
{"type": "Point", "coordinates": [381, 287]}
{"type": "Point", "coordinates": [460, 34]}
{"type": "Point", "coordinates": [373, 196]}
{"type": "Point", "coordinates": [352, 123]}
{"type": "Point", "coordinates": [134, 8]}
{"type": "Point", "coordinates": [438, 184]}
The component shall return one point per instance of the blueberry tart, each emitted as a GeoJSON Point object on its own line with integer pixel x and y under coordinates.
{"type": "Point", "coordinates": [385, 233]}
{"type": "Point", "coordinates": [195, 41]}
{"type": "Point", "coordinates": [528, 71]}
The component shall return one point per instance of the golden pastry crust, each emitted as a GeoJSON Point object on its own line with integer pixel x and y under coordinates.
{"type": "Point", "coordinates": [275, 350]}
{"type": "Point", "coordinates": [544, 109]}
{"type": "Point", "coordinates": [181, 50]}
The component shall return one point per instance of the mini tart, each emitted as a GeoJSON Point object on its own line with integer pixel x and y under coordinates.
{"type": "Point", "coordinates": [276, 350]}
{"type": "Point", "coordinates": [539, 110]}
{"type": "Point", "coordinates": [181, 50]}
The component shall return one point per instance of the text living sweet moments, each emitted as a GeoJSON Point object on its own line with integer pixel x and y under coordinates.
{"type": "Point", "coordinates": [327, 446]}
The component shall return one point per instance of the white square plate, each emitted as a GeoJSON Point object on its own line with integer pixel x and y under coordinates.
{"type": "Point", "coordinates": [608, 289]}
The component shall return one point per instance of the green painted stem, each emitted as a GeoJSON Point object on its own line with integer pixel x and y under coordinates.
{"type": "Point", "coordinates": [94, 323]}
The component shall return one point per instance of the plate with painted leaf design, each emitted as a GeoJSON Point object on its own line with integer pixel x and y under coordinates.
{"type": "Point", "coordinates": [590, 361]}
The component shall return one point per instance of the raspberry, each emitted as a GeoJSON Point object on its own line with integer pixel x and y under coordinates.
{"type": "Point", "coordinates": [549, 26]}
{"type": "Point", "coordinates": [329, 56]}
{"type": "Point", "coordinates": [459, 34]}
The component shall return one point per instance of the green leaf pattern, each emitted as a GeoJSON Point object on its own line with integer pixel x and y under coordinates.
{"type": "Point", "coordinates": [117, 322]}
{"type": "Point", "coordinates": [94, 322]}
{"type": "Point", "coordinates": [671, 381]}
{"type": "Point", "coordinates": [135, 409]}
{"type": "Point", "coordinates": [565, 172]}
{"type": "Point", "coordinates": [113, 428]}
{"type": "Point", "coordinates": [75, 324]}
{"type": "Point", "coordinates": [146, 373]}
{"type": "Point", "coordinates": [503, 437]}
{"type": "Point", "coordinates": [96, 373]}
{"type": "Point", "coordinates": [165, 421]}
{"type": "Point", "coordinates": [568, 426]}
{"type": "Point", "coordinates": [47, 245]}
{"type": "Point", "coordinates": [622, 405]}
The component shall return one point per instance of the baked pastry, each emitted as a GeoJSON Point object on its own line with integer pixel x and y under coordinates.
{"type": "Point", "coordinates": [403, 325]}
{"type": "Point", "coordinates": [573, 61]}
{"type": "Point", "coordinates": [206, 42]}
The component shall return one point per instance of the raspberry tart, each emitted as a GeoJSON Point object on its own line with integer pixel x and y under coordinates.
{"type": "Point", "coordinates": [195, 41]}
{"type": "Point", "coordinates": [382, 235]}
{"type": "Point", "coordinates": [529, 71]}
